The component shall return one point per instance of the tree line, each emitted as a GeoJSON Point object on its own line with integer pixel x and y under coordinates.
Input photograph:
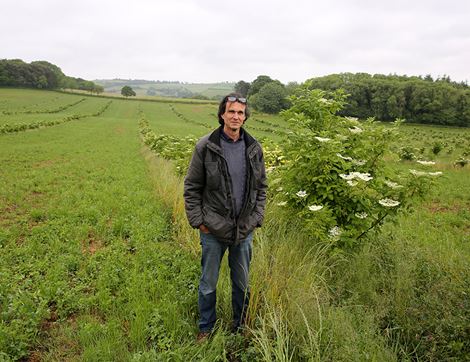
{"type": "Point", "coordinates": [40, 75]}
{"type": "Point", "coordinates": [415, 99]}
{"type": "Point", "coordinates": [385, 97]}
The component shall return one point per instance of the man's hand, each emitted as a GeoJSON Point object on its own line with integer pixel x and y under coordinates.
{"type": "Point", "coordinates": [204, 229]}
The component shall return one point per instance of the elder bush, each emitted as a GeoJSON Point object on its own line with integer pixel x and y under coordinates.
{"type": "Point", "coordinates": [334, 174]}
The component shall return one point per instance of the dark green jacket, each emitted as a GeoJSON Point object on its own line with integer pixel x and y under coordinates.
{"type": "Point", "coordinates": [208, 190]}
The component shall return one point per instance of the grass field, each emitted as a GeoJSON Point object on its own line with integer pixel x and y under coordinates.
{"type": "Point", "coordinates": [84, 242]}
{"type": "Point", "coordinates": [164, 89]}
{"type": "Point", "coordinates": [97, 262]}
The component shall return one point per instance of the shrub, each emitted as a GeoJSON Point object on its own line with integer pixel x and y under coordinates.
{"type": "Point", "coordinates": [334, 176]}
{"type": "Point", "coordinates": [407, 153]}
{"type": "Point", "coordinates": [437, 148]}
{"type": "Point", "coordinates": [462, 162]}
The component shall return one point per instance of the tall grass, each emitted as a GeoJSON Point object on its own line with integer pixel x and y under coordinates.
{"type": "Point", "coordinates": [169, 189]}
{"type": "Point", "coordinates": [293, 314]}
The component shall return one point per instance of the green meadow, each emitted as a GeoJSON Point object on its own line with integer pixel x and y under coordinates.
{"type": "Point", "coordinates": [98, 262]}
{"type": "Point", "coordinates": [152, 89]}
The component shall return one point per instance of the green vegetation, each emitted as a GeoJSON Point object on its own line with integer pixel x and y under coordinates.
{"type": "Point", "coordinates": [98, 262]}
{"type": "Point", "coordinates": [386, 98]}
{"type": "Point", "coordinates": [334, 175]}
{"type": "Point", "coordinates": [86, 260]}
{"type": "Point", "coordinates": [41, 75]}
{"type": "Point", "coordinates": [418, 100]}
{"type": "Point", "coordinates": [42, 114]}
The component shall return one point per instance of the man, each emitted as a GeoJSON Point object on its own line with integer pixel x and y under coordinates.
{"type": "Point", "coordinates": [225, 195]}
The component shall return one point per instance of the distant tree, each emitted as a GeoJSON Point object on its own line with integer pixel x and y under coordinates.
{"type": "Point", "coordinates": [183, 92]}
{"type": "Point", "coordinates": [258, 83]}
{"type": "Point", "coordinates": [127, 91]}
{"type": "Point", "coordinates": [39, 74]}
{"type": "Point", "coordinates": [428, 78]}
{"type": "Point", "coordinates": [291, 87]}
{"type": "Point", "coordinates": [242, 87]}
{"type": "Point", "coordinates": [271, 98]}
{"type": "Point", "coordinates": [85, 85]}
{"type": "Point", "coordinates": [51, 72]}
{"type": "Point", "coordinates": [97, 89]}
{"type": "Point", "coordinates": [199, 96]}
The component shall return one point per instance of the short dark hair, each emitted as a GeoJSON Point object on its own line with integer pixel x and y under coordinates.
{"type": "Point", "coordinates": [223, 104]}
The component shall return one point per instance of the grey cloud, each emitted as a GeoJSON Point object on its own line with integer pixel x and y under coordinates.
{"type": "Point", "coordinates": [209, 40]}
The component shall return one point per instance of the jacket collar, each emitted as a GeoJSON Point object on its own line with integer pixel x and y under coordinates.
{"type": "Point", "coordinates": [226, 137]}
{"type": "Point", "coordinates": [215, 137]}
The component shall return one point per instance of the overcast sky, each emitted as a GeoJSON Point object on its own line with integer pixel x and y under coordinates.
{"type": "Point", "coordinates": [212, 40]}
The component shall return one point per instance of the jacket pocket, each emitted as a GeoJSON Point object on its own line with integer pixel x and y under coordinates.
{"type": "Point", "coordinates": [248, 224]}
{"type": "Point", "coordinates": [217, 224]}
{"type": "Point", "coordinates": [212, 175]}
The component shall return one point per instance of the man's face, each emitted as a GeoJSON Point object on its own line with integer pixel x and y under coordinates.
{"type": "Point", "coordinates": [234, 115]}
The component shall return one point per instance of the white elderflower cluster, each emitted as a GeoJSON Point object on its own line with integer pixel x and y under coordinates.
{"type": "Point", "coordinates": [363, 176]}
{"type": "Point", "coordinates": [335, 232]}
{"type": "Point", "coordinates": [422, 173]}
{"type": "Point", "coordinates": [322, 139]}
{"type": "Point", "coordinates": [426, 163]}
{"type": "Point", "coordinates": [359, 162]}
{"type": "Point", "coordinates": [361, 215]}
{"type": "Point", "coordinates": [355, 129]}
{"type": "Point", "coordinates": [346, 158]}
{"type": "Point", "coordinates": [354, 162]}
{"type": "Point", "coordinates": [353, 175]}
{"type": "Point", "coordinates": [418, 173]}
{"type": "Point", "coordinates": [393, 185]}
{"type": "Point", "coordinates": [389, 202]}
{"type": "Point", "coordinates": [301, 194]}
{"type": "Point", "coordinates": [315, 207]}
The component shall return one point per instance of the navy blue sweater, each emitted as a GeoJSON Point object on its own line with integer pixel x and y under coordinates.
{"type": "Point", "coordinates": [234, 153]}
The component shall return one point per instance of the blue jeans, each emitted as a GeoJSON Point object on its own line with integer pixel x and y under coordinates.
{"type": "Point", "coordinates": [239, 258]}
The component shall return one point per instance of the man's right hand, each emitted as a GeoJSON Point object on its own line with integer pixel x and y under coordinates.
{"type": "Point", "coordinates": [204, 229]}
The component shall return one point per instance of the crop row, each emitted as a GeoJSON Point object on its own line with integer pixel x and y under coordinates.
{"type": "Point", "coordinates": [168, 147]}
{"type": "Point", "coordinates": [186, 119]}
{"type": "Point", "coordinates": [50, 111]}
{"type": "Point", "coordinates": [11, 128]}
{"type": "Point", "coordinates": [272, 127]}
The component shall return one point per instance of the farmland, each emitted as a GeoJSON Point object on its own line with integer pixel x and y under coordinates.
{"type": "Point", "coordinates": [99, 264]}
{"type": "Point", "coordinates": [174, 89]}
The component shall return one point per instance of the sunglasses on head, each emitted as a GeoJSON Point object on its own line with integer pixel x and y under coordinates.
{"type": "Point", "coordinates": [236, 99]}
